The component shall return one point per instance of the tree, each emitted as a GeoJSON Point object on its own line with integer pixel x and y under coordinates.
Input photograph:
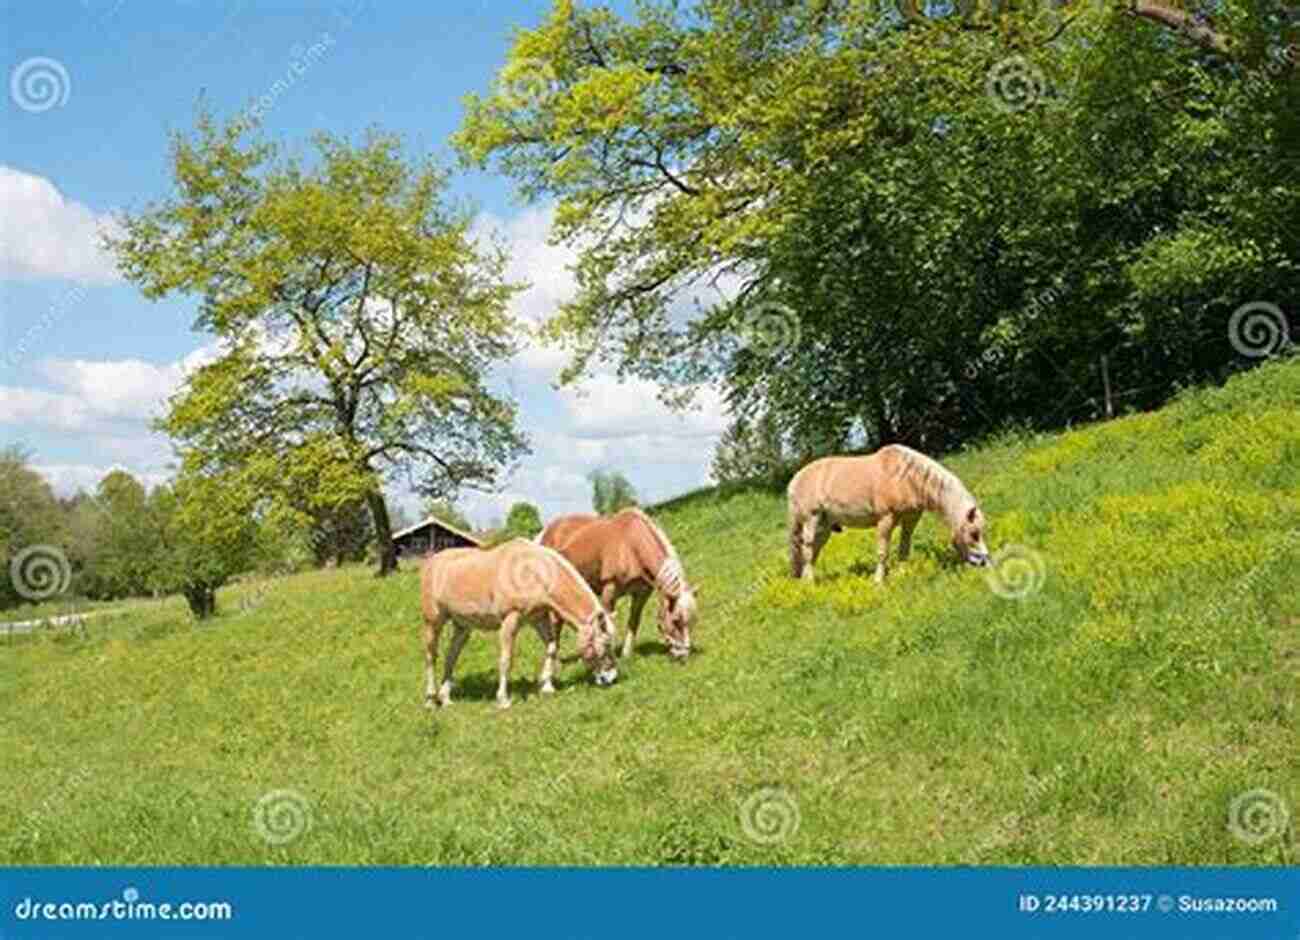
{"type": "Point", "coordinates": [127, 544]}
{"type": "Point", "coordinates": [751, 452]}
{"type": "Point", "coordinates": [523, 521]}
{"type": "Point", "coordinates": [930, 219]}
{"type": "Point", "coordinates": [32, 534]}
{"type": "Point", "coordinates": [446, 511]}
{"type": "Point", "coordinates": [610, 492]}
{"type": "Point", "coordinates": [355, 316]}
{"type": "Point", "coordinates": [208, 527]}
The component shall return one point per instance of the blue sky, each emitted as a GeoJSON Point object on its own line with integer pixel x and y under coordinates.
{"type": "Point", "coordinates": [92, 90]}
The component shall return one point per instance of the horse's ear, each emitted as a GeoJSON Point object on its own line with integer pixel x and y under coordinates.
{"type": "Point", "coordinates": [973, 515]}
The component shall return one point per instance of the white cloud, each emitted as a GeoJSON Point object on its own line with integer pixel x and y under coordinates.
{"type": "Point", "coordinates": [67, 478]}
{"type": "Point", "coordinates": [607, 407]}
{"type": "Point", "coordinates": [42, 234]}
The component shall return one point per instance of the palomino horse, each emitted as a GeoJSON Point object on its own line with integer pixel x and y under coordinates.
{"type": "Point", "coordinates": [894, 485]}
{"type": "Point", "coordinates": [627, 553]}
{"type": "Point", "coordinates": [504, 587]}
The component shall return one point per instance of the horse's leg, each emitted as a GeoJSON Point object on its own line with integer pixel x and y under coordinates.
{"type": "Point", "coordinates": [458, 637]}
{"type": "Point", "coordinates": [807, 544]}
{"type": "Point", "coordinates": [823, 536]}
{"type": "Point", "coordinates": [432, 631]}
{"type": "Point", "coordinates": [506, 635]}
{"type": "Point", "coordinates": [608, 598]}
{"type": "Point", "coordinates": [908, 522]}
{"type": "Point", "coordinates": [550, 635]}
{"type": "Point", "coordinates": [634, 620]}
{"type": "Point", "coordinates": [884, 528]}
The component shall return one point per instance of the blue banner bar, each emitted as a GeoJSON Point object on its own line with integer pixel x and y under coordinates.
{"type": "Point", "coordinates": [1183, 903]}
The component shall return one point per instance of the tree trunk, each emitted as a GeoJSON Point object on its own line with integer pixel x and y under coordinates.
{"type": "Point", "coordinates": [383, 533]}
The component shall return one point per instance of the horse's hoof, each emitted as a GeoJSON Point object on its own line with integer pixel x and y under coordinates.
{"type": "Point", "coordinates": [503, 703]}
{"type": "Point", "coordinates": [429, 702]}
{"type": "Point", "coordinates": [548, 690]}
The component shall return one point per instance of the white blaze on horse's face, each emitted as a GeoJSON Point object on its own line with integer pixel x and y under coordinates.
{"type": "Point", "coordinates": [598, 654]}
{"type": "Point", "coordinates": [969, 538]}
{"type": "Point", "coordinates": [675, 616]}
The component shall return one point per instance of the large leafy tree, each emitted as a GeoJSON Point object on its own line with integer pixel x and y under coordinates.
{"type": "Point", "coordinates": [931, 217]}
{"type": "Point", "coordinates": [355, 316]}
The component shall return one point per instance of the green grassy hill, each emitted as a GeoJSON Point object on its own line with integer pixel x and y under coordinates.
{"type": "Point", "coordinates": [1111, 715]}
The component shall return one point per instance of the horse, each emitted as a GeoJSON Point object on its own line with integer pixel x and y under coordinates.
{"type": "Point", "coordinates": [514, 583]}
{"type": "Point", "coordinates": [895, 485]}
{"type": "Point", "coordinates": [628, 553]}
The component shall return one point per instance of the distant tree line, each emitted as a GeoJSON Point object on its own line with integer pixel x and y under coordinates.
{"type": "Point", "coordinates": [125, 540]}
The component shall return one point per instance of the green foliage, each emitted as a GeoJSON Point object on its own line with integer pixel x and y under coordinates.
{"type": "Point", "coordinates": [523, 520]}
{"type": "Point", "coordinates": [1109, 718]}
{"type": "Point", "coordinates": [29, 515]}
{"type": "Point", "coordinates": [357, 317]}
{"type": "Point", "coordinates": [209, 534]}
{"type": "Point", "coordinates": [610, 492]}
{"type": "Point", "coordinates": [912, 251]}
{"type": "Point", "coordinates": [753, 452]}
{"type": "Point", "coordinates": [447, 511]}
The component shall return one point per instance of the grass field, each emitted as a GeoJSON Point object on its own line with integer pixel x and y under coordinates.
{"type": "Point", "coordinates": [1146, 681]}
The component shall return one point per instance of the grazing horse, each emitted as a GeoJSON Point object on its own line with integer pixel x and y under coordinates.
{"type": "Point", "coordinates": [504, 587]}
{"type": "Point", "coordinates": [895, 485]}
{"type": "Point", "coordinates": [627, 553]}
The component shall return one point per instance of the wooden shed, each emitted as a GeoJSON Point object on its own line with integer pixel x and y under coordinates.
{"type": "Point", "coordinates": [429, 537]}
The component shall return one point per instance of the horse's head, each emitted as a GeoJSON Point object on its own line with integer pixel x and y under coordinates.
{"type": "Point", "coordinates": [968, 538]}
{"type": "Point", "coordinates": [676, 614]}
{"type": "Point", "coordinates": [596, 646]}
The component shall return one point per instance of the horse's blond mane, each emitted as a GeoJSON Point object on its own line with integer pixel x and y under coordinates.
{"type": "Point", "coordinates": [937, 483]}
{"type": "Point", "coordinates": [671, 575]}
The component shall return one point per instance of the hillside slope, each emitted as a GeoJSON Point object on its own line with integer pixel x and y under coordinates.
{"type": "Point", "coordinates": [1146, 680]}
